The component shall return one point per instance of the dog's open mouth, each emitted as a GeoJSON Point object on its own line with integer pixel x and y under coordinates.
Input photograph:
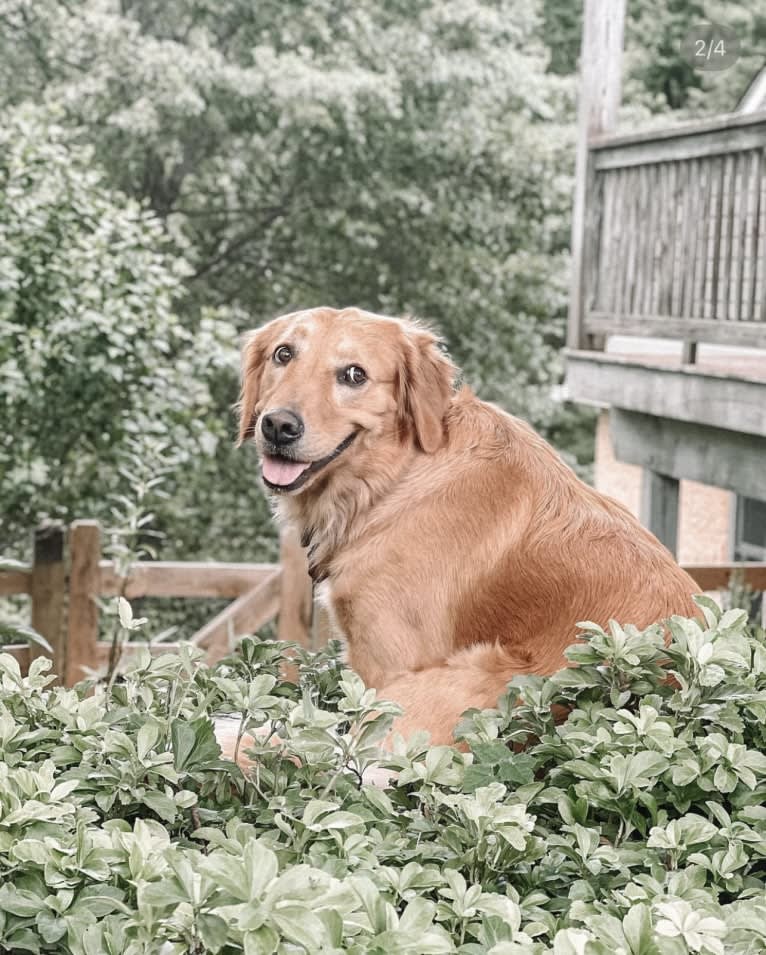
{"type": "Point", "coordinates": [281, 473]}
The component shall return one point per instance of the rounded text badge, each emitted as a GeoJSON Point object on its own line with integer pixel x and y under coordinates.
{"type": "Point", "coordinates": [709, 46]}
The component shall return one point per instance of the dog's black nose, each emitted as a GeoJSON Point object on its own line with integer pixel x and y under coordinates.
{"type": "Point", "coordinates": [281, 427]}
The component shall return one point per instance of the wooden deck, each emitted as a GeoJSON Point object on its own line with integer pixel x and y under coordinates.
{"type": "Point", "coordinates": [667, 320]}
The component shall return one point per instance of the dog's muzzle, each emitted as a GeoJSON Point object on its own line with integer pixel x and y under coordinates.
{"type": "Point", "coordinates": [282, 472]}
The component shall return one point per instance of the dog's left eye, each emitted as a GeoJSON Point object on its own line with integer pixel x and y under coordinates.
{"type": "Point", "coordinates": [353, 375]}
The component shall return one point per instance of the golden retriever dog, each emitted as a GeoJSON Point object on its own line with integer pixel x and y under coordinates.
{"type": "Point", "coordinates": [452, 545]}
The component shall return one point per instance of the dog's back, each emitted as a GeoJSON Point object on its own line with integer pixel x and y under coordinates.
{"type": "Point", "coordinates": [479, 564]}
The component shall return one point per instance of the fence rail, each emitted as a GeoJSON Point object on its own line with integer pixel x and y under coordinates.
{"type": "Point", "coordinates": [675, 233]}
{"type": "Point", "coordinates": [68, 575]}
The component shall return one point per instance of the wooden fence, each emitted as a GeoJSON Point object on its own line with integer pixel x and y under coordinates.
{"type": "Point", "coordinates": [68, 573]}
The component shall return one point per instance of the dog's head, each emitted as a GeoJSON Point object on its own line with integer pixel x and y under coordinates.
{"type": "Point", "coordinates": [322, 386]}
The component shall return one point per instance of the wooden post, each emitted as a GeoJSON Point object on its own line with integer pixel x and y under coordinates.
{"type": "Point", "coordinates": [659, 507]}
{"type": "Point", "coordinates": [600, 82]}
{"type": "Point", "coordinates": [84, 584]}
{"type": "Point", "coordinates": [296, 600]}
{"type": "Point", "coordinates": [48, 593]}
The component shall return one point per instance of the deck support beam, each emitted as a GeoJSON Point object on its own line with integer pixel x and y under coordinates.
{"type": "Point", "coordinates": [691, 451]}
{"type": "Point", "coordinates": [688, 393]}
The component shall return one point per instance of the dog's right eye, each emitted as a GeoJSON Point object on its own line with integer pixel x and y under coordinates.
{"type": "Point", "coordinates": [353, 375]}
{"type": "Point", "coordinates": [282, 354]}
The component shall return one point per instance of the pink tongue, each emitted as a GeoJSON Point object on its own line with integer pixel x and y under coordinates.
{"type": "Point", "coordinates": [282, 472]}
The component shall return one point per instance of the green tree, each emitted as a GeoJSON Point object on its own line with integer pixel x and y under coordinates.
{"type": "Point", "coordinates": [405, 157]}
{"type": "Point", "coordinates": [93, 357]}
{"type": "Point", "coordinates": [657, 77]}
{"type": "Point", "coordinates": [310, 153]}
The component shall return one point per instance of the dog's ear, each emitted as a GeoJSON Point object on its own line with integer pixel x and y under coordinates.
{"type": "Point", "coordinates": [423, 389]}
{"type": "Point", "coordinates": [254, 355]}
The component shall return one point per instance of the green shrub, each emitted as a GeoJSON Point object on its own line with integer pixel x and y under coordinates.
{"type": "Point", "coordinates": [95, 361]}
{"type": "Point", "coordinates": [636, 827]}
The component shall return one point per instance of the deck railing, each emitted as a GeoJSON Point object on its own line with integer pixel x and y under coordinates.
{"type": "Point", "coordinates": [69, 576]}
{"type": "Point", "coordinates": [674, 240]}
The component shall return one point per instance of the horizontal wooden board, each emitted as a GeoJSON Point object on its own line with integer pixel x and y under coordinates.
{"type": "Point", "coordinates": [750, 334]}
{"type": "Point", "coordinates": [689, 451]}
{"type": "Point", "coordinates": [15, 582]}
{"type": "Point", "coordinates": [248, 613]}
{"type": "Point", "coordinates": [687, 146]}
{"type": "Point", "coordinates": [184, 579]}
{"type": "Point", "coordinates": [685, 394]}
{"type": "Point", "coordinates": [717, 576]}
{"type": "Point", "coordinates": [693, 127]}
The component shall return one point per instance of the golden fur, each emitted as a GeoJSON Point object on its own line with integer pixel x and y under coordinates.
{"type": "Point", "coordinates": [455, 547]}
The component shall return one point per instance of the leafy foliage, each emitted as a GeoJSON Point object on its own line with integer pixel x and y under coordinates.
{"type": "Point", "coordinates": [406, 158]}
{"type": "Point", "coordinates": [93, 358]}
{"type": "Point", "coordinates": [657, 76]}
{"type": "Point", "coordinates": [637, 826]}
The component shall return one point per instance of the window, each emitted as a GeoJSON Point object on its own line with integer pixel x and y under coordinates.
{"type": "Point", "coordinates": [750, 543]}
{"type": "Point", "coordinates": [750, 533]}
